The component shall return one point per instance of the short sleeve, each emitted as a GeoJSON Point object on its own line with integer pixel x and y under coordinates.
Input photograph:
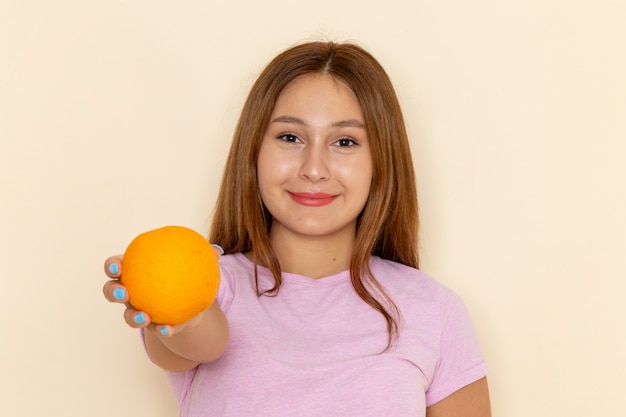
{"type": "Point", "coordinates": [461, 360]}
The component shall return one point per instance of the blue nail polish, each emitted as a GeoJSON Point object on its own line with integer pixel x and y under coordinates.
{"type": "Point", "coordinates": [114, 269]}
{"type": "Point", "coordinates": [221, 249]}
{"type": "Point", "coordinates": [165, 331]}
{"type": "Point", "coordinates": [139, 318]}
{"type": "Point", "coordinates": [119, 293]}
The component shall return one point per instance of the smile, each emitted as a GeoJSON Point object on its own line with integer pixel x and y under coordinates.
{"type": "Point", "coordinates": [313, 199]}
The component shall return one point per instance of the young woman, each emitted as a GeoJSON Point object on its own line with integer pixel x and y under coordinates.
{"type": "Point", "coordinates": [321, 310]}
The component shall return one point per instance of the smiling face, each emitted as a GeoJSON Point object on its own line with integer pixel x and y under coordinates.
{"type": "Point", "coordinates": [314, 166]}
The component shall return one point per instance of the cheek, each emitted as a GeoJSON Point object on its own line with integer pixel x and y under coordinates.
{"type": "Point", "coordinates": [264, 179]}
{"type": "Point", "coordinates": [272, 171]}
{"type": "Point", "coordinates": [358, 175]}
{"type": "Point", "coordinates": [357, 181]}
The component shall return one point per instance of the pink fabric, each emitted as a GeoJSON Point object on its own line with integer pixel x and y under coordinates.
{"type": "Point", "coordinates": [314, 349]}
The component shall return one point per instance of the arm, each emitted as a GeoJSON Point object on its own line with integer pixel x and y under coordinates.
{"type": "Point", "coordinates": [203, 339]}
{"type": "Point", "coordinates": [470, 401]}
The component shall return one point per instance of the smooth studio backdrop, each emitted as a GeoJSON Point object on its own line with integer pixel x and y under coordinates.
{"type": "Point", "coordinates": [116, 116]}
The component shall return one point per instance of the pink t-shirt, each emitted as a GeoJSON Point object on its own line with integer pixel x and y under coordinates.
{"type": "Point", "coordinates": [314, 349]}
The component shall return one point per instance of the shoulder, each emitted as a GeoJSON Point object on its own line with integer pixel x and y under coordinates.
{"type": "Point", "coordinates": [437, 331]}
{"type": "Point", "coordinates": [417, 293]}
{"type": "Point", "coordinates": [236, 273]}
{"type": "Point", "coordinates": [235, 262]}
{"type": "Point", "coordinates": [402, 279]}
{"type": "Point", "coordinates": [394, 272]}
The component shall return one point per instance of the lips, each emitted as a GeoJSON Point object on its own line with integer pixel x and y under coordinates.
{"type": "Point", "coordinates": [313, 199]}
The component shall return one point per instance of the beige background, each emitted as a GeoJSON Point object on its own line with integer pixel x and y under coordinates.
{"type": "Point", "coordinates": [115, 117]}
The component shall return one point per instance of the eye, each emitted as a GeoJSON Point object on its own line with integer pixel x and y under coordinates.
{"type": "Point", "coordinates": [288, 137]}
{"type": "Point", "coordinates": [345, 143]}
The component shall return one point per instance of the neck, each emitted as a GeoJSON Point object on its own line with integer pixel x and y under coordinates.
{"type": "Point", "coordinates": [314, 257]}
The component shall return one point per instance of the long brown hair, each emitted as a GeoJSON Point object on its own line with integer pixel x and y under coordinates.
{"type": "Point", "coordinates": [388, 224]}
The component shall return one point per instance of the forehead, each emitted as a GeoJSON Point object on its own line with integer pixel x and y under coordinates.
{"type": "Point", "coordinates": [317, 91]}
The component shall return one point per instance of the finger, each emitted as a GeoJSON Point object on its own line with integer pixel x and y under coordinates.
{"type": "Point", "coordinates": [115, 292]}
{"type": "Point", "coordinates": [219, 251]}
{"type": "Point", "coordinates": [136, 319]}
{"type": "Point", "coordinates": [113, 266]}
{"type": "Point", "coordinates": [165, 330]}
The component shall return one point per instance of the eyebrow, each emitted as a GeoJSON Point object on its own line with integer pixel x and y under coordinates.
{"type": "Point", "coordinates": [297, 121]}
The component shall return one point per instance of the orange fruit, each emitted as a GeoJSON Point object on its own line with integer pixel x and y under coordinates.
{"type": "Point", "coordinates": [171, 273]}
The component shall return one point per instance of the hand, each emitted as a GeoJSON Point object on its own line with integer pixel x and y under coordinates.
{"type": "Point", "coordinates": [115, 292]}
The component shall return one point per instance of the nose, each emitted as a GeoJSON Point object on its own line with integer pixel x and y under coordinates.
{"type": "Point", "coordinates": [314, 165]}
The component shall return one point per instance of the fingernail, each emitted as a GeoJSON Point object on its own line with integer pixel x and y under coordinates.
{"type": "Point", "coordinates": [139, 318]}
{"type": "Point", "coordinates": [119, 294]}
{"type": "Point", "coordinates": [221, 249]}
{"type": "Point", "coordinates": [114, 268]}
{"type": "Point", "coordinates": [164, 331]}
